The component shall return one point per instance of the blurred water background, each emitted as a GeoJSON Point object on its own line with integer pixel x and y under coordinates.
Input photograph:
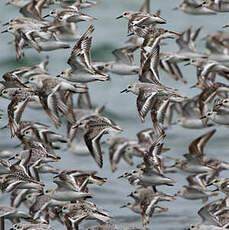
{"type": "Point", "coordinates": [111, 34]}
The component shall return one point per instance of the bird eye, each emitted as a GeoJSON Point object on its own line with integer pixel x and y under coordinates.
{"type": "Point", "coordinates": [4, 92]}
{"type": "Point", "coordinates": [226, 101]}
{"type": "Point", "coordinates": [61, 18]}
{"type": "Point", "coordinates": [31, 78]}
{"type": "Point", "coordinates": [129, 87]}
{"type": "Point", "coordinates": [125, 13]}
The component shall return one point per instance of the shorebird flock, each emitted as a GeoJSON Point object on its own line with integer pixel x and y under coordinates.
{"type": "Point", "coordinates": [66, 101]}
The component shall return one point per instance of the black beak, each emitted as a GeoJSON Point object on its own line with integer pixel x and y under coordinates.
{"type": "Point", "coordinates": [56, 176]}
{"type": "Point", "coordinates": [225, 26]}
{"type": "Point", "coordinates": [4, 31]}
{"type": "Point", "coordinates": [58, 75]}
{"type": "Point", "coordinates": [46, 16]}
{"type": "Point", "coordinates": [123, 206]}
{"type": "Point", "coordinates": [209, 184]}
{"type": "Point", "coordinates": [203, 117]}
{"type": "Point", "coordinates": [131, 195]}
{"type": "Point", "coordinates": [119, 17]}
{"type": "Point", "coordinates": [25, 85]}
{"type": "Point", "coordinates": [130, 34]}
{"type": "Point", "coordinates": [193, 86]}
{"type": "Point", "coordinates": [175, 8]}
{"type": "Point", "coordinates": [75, 126]}
{"type": "Point", "coordinates": [199, 6]}
{"type": "Point", "coordinates": [187, 64]}
{"type": "Point", "coordinates": [124, 91]}
{"type": "Point", "coordinates": [6, 24]}
{"type": "Point", "coordinates": [11, 158]}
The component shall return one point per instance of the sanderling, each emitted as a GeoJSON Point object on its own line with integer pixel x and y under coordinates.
{"type": "Point", "coordinates": [82, 70]}
{"type": "Point", "coordinates": [95, 127]}
{"type": "Point", "coordinates": [124, 63]}
{"type": "Point", "coordinates": [192, 8]}
{"type": "Point", "coordinates": [70, 14]}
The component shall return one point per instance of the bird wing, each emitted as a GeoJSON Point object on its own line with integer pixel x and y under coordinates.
{"type": "Point", "coordinates": [92, 138]}
{"type": "Point", "coordinates": [196, 148]}
{"type": "Point", "coordinates": [15, 110]}
{"type": "Point", "coordinates": [144, 104]}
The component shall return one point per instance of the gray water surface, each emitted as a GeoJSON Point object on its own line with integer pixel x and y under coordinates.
{"type": "Point", "coordinates": [111, 34]}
